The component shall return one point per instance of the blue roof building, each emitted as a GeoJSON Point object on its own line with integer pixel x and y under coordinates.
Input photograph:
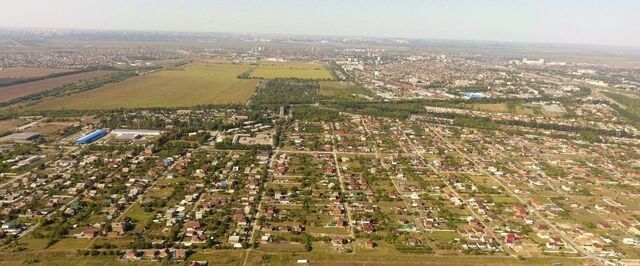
{"type": "Point", "coordinates": [91, 137]}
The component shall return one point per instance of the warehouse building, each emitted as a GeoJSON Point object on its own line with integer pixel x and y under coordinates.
{"type": "Point", "coordinates": [20, 137]}
{"type": "Point", "coordinates": [91, 137]}
{"type": "Point", "coordinates": [135, 133]}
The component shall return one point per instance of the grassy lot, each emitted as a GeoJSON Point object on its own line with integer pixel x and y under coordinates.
{"type": "Point", "coordinates": [320, 256]}
{"type": "Point", "coordinates": [220, 257]}
{"type": "Point", "coordinates": [49, 128]}
{"type": "Point", "coordinates": [71, 244]}
{"type": "Point", "coordinates": [302, 70]}
{"type": "Point", "coordinates": [344, 91]}
{"type": "Point", "coordinates": [328, 230]}
{"type": "Point", "coordinates": [503, 108]}
{"type": "Point", "coordinates": [334, 88]}
{"type": "Point", "coordinates": [443, 236]}
{"type": "Point", "coordinates": [160, 192]}
{"type": "Point", "coordinates": [484, 181]}
{"type": "Point", "coordinates": [62, 258]}
{"type": "Point", "coordinates": [141, 218]}
{"type": "Point", "coordinates": [33, 243]}
{"type": "Point", "coordinates": [193, 84]}
{"type": "Point", "coordinates": [505, 199]}
{"type": "Point", "coordinates": [381, 248]}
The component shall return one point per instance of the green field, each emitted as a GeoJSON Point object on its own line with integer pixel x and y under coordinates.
{"type": "Point", "coordinates": [302, 70]}
{"type": "Point", "coordinates": [193, 84]}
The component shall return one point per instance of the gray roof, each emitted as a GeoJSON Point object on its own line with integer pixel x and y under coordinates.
{"type": "Point", "coordinates": [21, 136]}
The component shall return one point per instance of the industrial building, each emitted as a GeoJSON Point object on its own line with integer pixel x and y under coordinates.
{"type": "Point", "coordinates": [91, 137]}
{"type": "Point", "coordinates": [20, 137]}
{"type": "Point", "coordinates": [134, 133]}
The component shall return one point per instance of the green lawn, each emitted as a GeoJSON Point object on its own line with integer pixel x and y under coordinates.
{"type": "Point", "coordinates": [140, 217]}
{"type": "Point", "coordinates": [71, 244]}
{"type": "Point", "coordinates": [121, 242]}
{"type": "Point", "coordinates": [286, 247]}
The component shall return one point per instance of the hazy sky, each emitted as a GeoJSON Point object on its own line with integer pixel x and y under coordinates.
{"type": "Point", "coordinates": [614, 22]}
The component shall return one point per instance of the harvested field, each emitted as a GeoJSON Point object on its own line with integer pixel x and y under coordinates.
{"type": "Point", "coordinates": [302, 70]}
{"type": "Point", "coordinates": [24, 73]}
{"type": "Point", "coordinates": [20, 90]}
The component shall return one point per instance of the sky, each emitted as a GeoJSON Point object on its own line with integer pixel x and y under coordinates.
{"type": "Point", "coordinates": [607, 22]}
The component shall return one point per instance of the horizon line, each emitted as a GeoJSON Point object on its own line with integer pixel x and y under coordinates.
{"type": "Point", "coordinates": [601, 45]}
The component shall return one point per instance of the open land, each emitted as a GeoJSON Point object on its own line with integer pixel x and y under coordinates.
{"type": "Point", "coordinates": [193, 84]}
{"type": "Point", "coordinates": [9, 124]}
{"type": "Point", "coordinates": [10, 74]}
{"type": "Point", "coordinates": [19, 90]}
{"type": "Point", "coordinates": [302, 70]}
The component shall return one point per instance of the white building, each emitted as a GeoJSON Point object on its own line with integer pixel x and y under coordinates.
{"type": "Point", "coordinates": [133, 133]}
{"type": "Point", "coordinates": [533, 62]}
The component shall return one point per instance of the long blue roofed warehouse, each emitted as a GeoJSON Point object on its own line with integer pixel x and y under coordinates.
{"type": "Point", "coordinates": [91, 137]}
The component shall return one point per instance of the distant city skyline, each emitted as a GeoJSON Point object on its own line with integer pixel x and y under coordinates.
{"type": "Point", "coordinates": [564, 22]}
